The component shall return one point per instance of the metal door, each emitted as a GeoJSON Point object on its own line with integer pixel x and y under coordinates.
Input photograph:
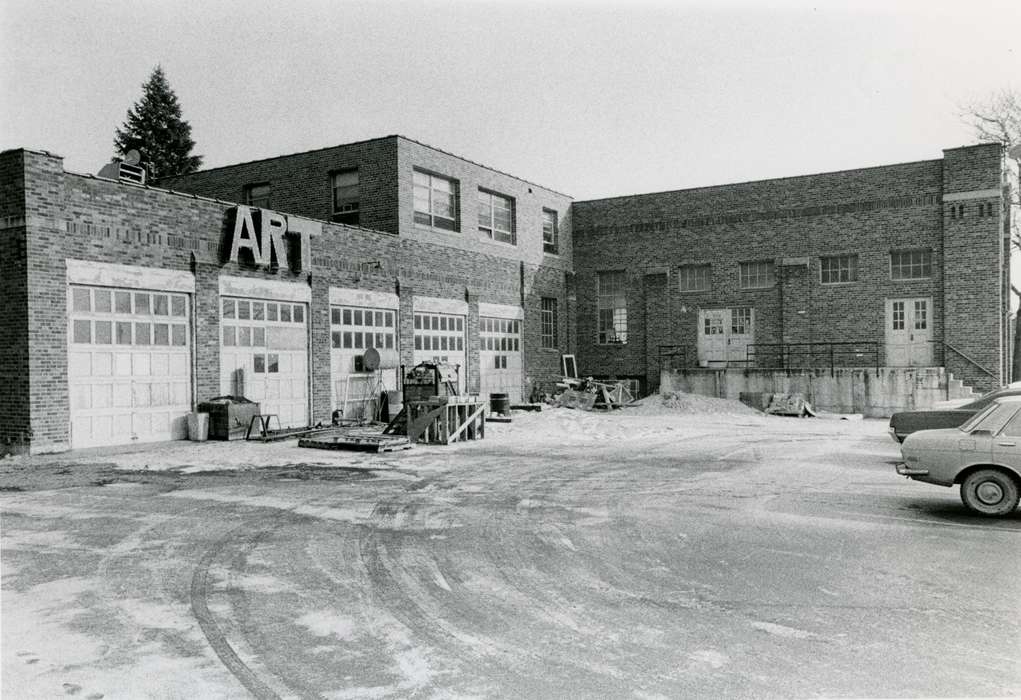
{"type": "Point", "coordinates": [909, 332]}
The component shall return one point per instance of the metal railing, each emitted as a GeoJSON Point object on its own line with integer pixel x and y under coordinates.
{"type": "Point", "coordinates": [970, 360]}
{"type": "Point", "coordinates": [786, 356]}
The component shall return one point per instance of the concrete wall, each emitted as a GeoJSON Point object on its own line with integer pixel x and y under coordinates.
{"type": "Point", "coordinates": [876, 394]}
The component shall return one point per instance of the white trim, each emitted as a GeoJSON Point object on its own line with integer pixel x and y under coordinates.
{"type": "Point", "coordinates": [440, 306]}
{"type": "Point", "coordinates": [342, 296]}
{"type": "Point", "coordinates": [501, 311]}
{"type": "Point", "coordinates": [971, 194]}
{"type": "Point", "coordinates": [102, 274]}
{"type": "Point", "coordinates": [264, 289]}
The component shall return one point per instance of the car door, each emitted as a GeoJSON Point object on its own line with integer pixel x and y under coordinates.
{"type": "Point", "coordinates": [1006, 444]}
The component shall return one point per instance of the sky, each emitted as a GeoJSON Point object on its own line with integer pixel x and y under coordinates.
{"type": "Point", "coordinates": [587, 98]}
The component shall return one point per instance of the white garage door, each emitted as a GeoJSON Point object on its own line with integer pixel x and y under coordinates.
{"type": "Point", "coordinates": [354, 329]}
{"type": "Point", "coordinates": [264, 356]}
{"type": "Point", "coordinates": [440, 337]}
{"type": "Point", "coordinates": [500, 357]}
{"type": "Point", "coordinates": [129, 366]}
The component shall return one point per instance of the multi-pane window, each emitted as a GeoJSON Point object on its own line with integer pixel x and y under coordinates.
{"type": "Point", "coordinates": [550, 234]}
{"type": "Point", "coordinates": [611, 295]}
{"type": "Point", "coordinates": [921, 314]}
{"type": "Point", "coordinates": [694, 278]}
{"type": "Point", "coordinates": [439, 333]}
{"type": "Point", "coordinates": [499, 335]}
{"type": "Point", "coordinates": [838, 268]}
{"type": "Point", "coordinates": [119, 317]}
{"type": "Point", "coordinates": [244, 321]}
{"type": "Point", "coordinates": [345, 196]}
{"type": "Point", "coordinates": [435, 201]}
{"type": "Point", "coordinates": [548, 323]}
{"type": "Point", "coordinates": [757, 275]}
{"type": "Point", "coordinates": [911, 265]}
{"type": "Point", "coordinates": [257, 195]}
{"type": "Point", "coordinates": [740, 321]}
{"type": "Point", "coordinates": [897, 316]}
{"type": "Point", "coordinates": [360, 328]}
{"type": "Point", "coordinates": [496, 216]}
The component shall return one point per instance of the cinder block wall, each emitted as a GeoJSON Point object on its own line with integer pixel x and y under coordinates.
{"type": "Point", "coordinates": [868, 212]}
{"type": "Point", "coordinates": [15, 423]}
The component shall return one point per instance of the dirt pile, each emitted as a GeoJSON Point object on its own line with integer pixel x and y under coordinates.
{"type": "Point", "coordinates": [676, 402]}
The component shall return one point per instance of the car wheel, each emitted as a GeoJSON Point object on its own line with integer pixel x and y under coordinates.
{"type": "Point", "coordinates": [990, 492]}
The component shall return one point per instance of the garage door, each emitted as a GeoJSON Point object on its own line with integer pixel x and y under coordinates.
{"type": "Point", "coordinates": [129, 365]}
{"type": "Point", "coordinates": [264, 356]}
{"type": "Point", "coordinates": [440, 337]}
{"type": "Point", "coordinates": [354, 329]}
{"type": "Point", "coordinates": [500, 357]}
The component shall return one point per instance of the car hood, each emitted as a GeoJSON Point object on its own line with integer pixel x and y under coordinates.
{"type": "Point", "coordinates": [947, 439]}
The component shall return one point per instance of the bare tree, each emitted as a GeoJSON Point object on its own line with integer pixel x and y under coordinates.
{"type": "Point", "coordinates": [998, 119]}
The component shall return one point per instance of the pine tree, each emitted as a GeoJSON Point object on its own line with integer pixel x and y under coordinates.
{"type": "Point", "coordinates": [155, 129]}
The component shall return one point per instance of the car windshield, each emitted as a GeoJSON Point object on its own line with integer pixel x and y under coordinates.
{"type": "Point", "coordinates": [987, 399]}
{"type": "Point", "coordinates": [1002, 412]}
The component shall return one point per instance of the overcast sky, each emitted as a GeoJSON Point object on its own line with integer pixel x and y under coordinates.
{"type": "Point", "coordinates": [587, 98]}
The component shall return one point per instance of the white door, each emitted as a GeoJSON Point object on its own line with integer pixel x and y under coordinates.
{"type": "Point", "coordinates": [440, 337]}
{"type": "Point", "coordinates": [712, 336]}
{"type": "Point", "coordinates": [909, 332]}
{"type": "Point", "coordinates": [129, 366]}
{"type": "Point", "coordinates": [264, 356]}
{"type": "Point", "coordinates": [500, 357]}
{"type": "Point", "coordinates": [354, 329]}
{"type": "Point", "coordinates": [741, 333]}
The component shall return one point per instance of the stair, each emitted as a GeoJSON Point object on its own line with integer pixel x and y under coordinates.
{"type": "Point", "coordinates": [956, 389]}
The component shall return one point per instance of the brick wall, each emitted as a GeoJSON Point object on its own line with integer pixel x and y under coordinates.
{"type": "Point", "coordinates": [868, 213]}
{"type": "Point", "coordinates": [15, 424]}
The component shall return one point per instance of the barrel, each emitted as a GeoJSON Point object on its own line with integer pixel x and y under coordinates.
{"type": "Point", "coordinates": [377, 358]}
{"type": "Point", "coordinates": [499, 403]}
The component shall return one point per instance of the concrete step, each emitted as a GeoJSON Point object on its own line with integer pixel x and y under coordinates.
{"type": "Point", "coordinates": [956, 389]}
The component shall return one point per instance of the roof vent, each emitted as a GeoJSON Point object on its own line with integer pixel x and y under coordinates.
{"type": "Point", "coordinates": [126, 170]}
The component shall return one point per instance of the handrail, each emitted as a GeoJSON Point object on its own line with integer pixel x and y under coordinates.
{"type": "Point", "coordinates": [819, 354]}
{"type": "Point", "coordinates": [977, 365]}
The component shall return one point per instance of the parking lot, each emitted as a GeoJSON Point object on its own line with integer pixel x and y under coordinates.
{"type": "Point", "coordinates": [698, 550]}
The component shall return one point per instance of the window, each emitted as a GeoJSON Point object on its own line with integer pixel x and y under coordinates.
{"type": "Point", "coordinates": [757, 275]}
{"type": "Point", "coordinates": [345, 196]}
{"type": "Point", "coordinates": [548, 318]}
{"type": "Point", "coordinates": [611, 295]}
{"type": "Point", "coordinates": [257, 195]}
{"type": "Point", "coordinates": [741, 321]}
{"type": "Point", "coordinates": [435, 201]}
{"type": "Point", "coordinates": [361, 327]}
{"type": "Point", "coordinates": [911, 265]}
{"type": "Point", "coordinates": [838, 269]}
{"type": "Point", "coordinates": [550, 234]}
{"type": "Point", "coordinates": [694, 278]}
{"type": "Point", "coordinates": [496, 216]}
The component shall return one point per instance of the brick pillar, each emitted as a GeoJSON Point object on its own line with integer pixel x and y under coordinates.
{"type": "Point", "coordinates": [319, 328]}
{"type": "Point", "coordinates": [474, 343]}
{"type": "Point", "coordinates": [206, 322]}
{"type": "Point", "coordinates": [657, 324]}
{"type": "Point", "coordinates": [406, 325]}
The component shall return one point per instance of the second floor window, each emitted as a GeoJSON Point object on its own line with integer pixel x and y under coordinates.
{"type": "Point", "coordinates": [257, 195]}
{"type": "Point", "coordinates": [435, 201]}
{"type": "Point", "coordinates": [548, 318]}
{"type": "Point", "coordinates": [911, 265]}
{"type": "Point", "coordinates": [550, 235]}
{"type": "Point", "coordinates": [757, 275]}
{"type": "Point", "coordinates": [838, 268]}
{"type": "Point", "coordinates": [694, 278]}
{"type": "Point", "coordinates": [611, 295]}
{"type": "Point", "coordinates": [496, 216]}
{"type": "Point", "coordinates": [345, 196]}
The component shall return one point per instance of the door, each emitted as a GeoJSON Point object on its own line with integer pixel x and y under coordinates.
{"type": "Point", "coordinates": [129, 365]}
{"type": "Point", "coordinates": [440, 338]}
{"type": "Point", "coordinates": [264, 356]}
{"type": "Point", "coordinates": [354, 329]}
{"type": "Point", "coordinates": [909, 332]}
{"type": "Point", "coordinates": [724, 335]}
{"type": "Point", "coordinates": [500, 357]}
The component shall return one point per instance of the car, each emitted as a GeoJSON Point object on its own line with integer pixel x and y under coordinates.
{"type": "Point", "coordinates": [906, 422]}
{"type": "Point", "coordinates": [983, 455]}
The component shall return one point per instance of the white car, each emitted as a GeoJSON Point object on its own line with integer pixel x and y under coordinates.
{"type": "Point", "coordinates": [983, 455]}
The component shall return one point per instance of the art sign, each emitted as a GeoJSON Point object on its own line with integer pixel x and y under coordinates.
{"type": "Point", "coordinates": [270, 239]}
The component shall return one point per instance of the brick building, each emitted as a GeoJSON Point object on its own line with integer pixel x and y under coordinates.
{"type": "Point", "coordinates": [906, 265]}
{"type": "Point", "coordinates": [129, 304]}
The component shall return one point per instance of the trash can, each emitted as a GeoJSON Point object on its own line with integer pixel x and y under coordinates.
{"type": "Point", "coordinates": [198, 427]}
{"type": "Point", "coordinates": [499, 403]}
{"type": "Point", "coordinates": [229, 416]}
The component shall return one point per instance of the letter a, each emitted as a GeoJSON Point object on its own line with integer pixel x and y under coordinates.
{"type": "Point", "coordinates": [244, 236]}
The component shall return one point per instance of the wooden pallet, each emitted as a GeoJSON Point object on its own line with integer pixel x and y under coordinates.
{"type": "Point", "coordinates": [359, 443]}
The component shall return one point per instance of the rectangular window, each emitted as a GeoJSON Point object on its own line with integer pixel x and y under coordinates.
{"type": "Point", "coordinates": [345, 196]}
{"type": "Point", "coordinates": [911, 265]}
{"type": "Point", "coordinates": [257, 195]}
{"type": "Point", "coordinates": [694, 278]}
{"type": "Point", "coordinates": [757, 275]}
{"type": "Point", "coordinates": [611, 295]}
{"type": "Point", "coordinates": [838, 269]}
{"type": "Point", "coordinates": [496, 216]}
{"type": "Point", "coordinates": [548, 315]}
{"type": "Point", "coordinates": [435, 201]}
{"type": "Point", "coordinates": [550, 233]}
